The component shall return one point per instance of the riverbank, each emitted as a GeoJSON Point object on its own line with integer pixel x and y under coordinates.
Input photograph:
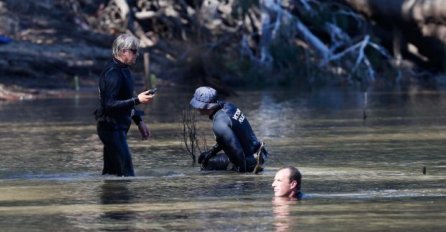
{"type": "Point", "coordinates": [47, 48]}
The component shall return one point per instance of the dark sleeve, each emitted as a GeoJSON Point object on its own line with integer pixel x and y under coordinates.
{"type": "Point", "coordinates": [228, 141]}
{"type": "Point", "coordinates": [216, 148]}
{"type": "Point", "coordinates": [137, 116]}
{"type": "Point", "coordinates": [112, 85]}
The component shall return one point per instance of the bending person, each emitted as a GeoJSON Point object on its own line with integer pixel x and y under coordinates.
{"type": "Point", "coordinates": [234, 135]}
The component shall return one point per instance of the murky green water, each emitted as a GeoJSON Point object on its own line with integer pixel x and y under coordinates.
{"type": "Point", "coordinates": [358, 176]}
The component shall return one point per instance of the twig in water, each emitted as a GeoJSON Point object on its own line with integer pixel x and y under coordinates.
{"type": "Point", "coordinates": [190, 134]}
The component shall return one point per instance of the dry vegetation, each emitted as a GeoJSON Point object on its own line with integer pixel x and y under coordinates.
{"type": "Point", "coordinates": [220, 43]}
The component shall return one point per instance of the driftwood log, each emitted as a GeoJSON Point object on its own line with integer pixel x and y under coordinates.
{"type": "Point", "coordinates": [413, 29]}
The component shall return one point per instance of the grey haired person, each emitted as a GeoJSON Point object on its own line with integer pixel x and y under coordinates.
{"type": "Point", "coordinates": [117, 107]}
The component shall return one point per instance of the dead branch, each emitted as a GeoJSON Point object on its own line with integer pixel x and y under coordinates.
{"type": "Point", "coordinates": [190, 134]}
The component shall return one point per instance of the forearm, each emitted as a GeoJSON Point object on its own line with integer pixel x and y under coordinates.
{"type": "Point", "coordinates": [137, 119]}
{"type": "Point", "coordinates": [137, 116]}
{"type": "Point", "coordinates": [216, 148]}
{"type": "Point", "coordinates": [117, 105]}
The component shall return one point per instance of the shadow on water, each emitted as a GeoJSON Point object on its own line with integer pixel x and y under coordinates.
{"type": "Point", "coordinates": [118, 192]}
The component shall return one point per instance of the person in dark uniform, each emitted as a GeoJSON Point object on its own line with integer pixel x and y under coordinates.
{"type": "Point", "coordinates": [243, 152]}
{"type": "Point", "coordinates": [117, 107]}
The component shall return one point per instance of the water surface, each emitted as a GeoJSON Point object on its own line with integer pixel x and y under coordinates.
{"type": "Point", "coordinates": [358, 175]}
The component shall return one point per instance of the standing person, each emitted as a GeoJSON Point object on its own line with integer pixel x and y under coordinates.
{"type": "Point", "coordinates": [233, 134]}
{"type": "Point", "coordinates": [287, 183]}
{"type": "Point", "coordinates": [117, 107]}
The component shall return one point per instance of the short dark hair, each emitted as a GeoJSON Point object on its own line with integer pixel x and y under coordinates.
{"type": "Point", "coordinates": [294, 175]}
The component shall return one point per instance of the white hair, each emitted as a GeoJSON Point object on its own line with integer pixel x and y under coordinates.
{"type": "Point", "coordinates": [124, 41]}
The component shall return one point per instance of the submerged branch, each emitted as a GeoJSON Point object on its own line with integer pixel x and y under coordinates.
{"type": "Point", "coordinates": [190, 134]}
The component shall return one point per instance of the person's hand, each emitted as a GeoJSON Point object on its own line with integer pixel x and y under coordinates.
{"type": "Point", "coordinates": [143, 130]}
{"type": "Point", "coordinates": [205, 156]}
{"type": "Point", "coordinates": [145, 97]}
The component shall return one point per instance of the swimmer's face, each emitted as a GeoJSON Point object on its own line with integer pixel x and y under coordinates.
{"type": "Point", "coordinates": [282, 185]}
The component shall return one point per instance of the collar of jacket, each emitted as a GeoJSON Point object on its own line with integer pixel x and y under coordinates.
{"type": "Point", "coordinates": [119, 63]}
{"type": "Point", "coordinates": [219, 107]}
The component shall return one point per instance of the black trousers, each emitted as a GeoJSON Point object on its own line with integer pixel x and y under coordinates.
{"type": "Point", "coordinates": [221, 162]}
{"type": "Point", "coordinates": [117, 156]}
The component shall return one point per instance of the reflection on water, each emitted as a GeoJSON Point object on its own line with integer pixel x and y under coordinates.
{"type": "Point", "coordinates": [281, 210]}
{"type": "Point", "coordinates": [357, 174]}
{"type": "Point", "coordinates": [117, 192]}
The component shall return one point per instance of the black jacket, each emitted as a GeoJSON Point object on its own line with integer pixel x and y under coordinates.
{"type": "Point", "coordinates": [117, 104]}
{"type": "Point", "coordinates": [235, 136]}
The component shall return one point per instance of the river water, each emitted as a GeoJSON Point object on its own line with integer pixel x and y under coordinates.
{"type": "Point", "coordinates": [357, 175]}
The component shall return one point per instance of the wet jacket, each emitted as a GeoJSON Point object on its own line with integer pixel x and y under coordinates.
{"type": "Point", "coordinates": [235, 136]}
{"type": "Point", "coordinates": [116, 97]}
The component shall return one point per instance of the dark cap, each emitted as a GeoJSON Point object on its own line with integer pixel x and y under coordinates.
{"type": "Point", "coordinates": [204, 98]}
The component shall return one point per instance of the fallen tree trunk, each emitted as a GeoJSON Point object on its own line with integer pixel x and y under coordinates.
{"type": "Point", "coordinates": [414, 29]}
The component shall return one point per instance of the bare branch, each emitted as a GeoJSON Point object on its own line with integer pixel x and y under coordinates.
{"type": "Point", "coordinates": [316, 43]}
{"type": "Point", "coordinates": [190, 134]}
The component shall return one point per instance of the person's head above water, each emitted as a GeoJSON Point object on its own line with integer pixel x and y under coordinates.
{"type": "Point", "coordinates": [287, 182]}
